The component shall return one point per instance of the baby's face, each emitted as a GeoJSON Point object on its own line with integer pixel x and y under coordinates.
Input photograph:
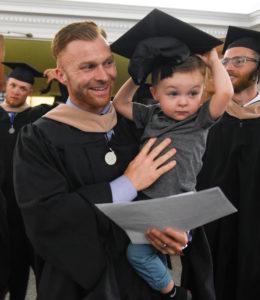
{"type": "Point", "coordinates": [180, 95]}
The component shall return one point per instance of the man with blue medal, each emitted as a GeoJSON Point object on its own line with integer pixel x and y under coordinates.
{"type": "Point", "coordinates": [14, 114]}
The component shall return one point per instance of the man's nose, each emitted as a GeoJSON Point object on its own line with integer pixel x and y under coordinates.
{"type": "Point", "coordinates": [101, 74]}
{"type": "Point", "coordinates": [16, 90]}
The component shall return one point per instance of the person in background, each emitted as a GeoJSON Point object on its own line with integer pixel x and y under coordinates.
{"type": "Point", "coordinates": [51, 76]}
{"type": "Point", "coordinates": [4, 245]}
{"type": "Point", "coordinates": [177, 86]}
{"type": "Point", "coordinates": [14, 114]}
{"type": "Point", "coordinates": [232, 162]}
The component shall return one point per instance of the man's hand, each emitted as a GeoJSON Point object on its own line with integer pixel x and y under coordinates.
{"type": "Point", "coordinates": [50, 74]}
{"type": "Point", "coordinates": [170, 241]}
{"type": "Point", "coordinates": [147, 167]}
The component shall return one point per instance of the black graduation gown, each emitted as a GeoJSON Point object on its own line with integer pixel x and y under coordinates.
{"type": "Point", "coordinates": [21, 252]}
{"type": "Point", "coordinates": [4, 242]}
{"type": "Point", "coordinates": [232, 162]}
{"type": "Point", "coordinates": [7, 143]}
{"type": "Point", "coordinates": [81, 253]}
{"type": "Point", "coordinates": [4, 249]}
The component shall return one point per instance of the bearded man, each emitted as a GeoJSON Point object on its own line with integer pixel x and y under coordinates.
{"type": "Point", "coordinates": [14, 114]}
{"type": "Point", "coordinates": [232, 162]}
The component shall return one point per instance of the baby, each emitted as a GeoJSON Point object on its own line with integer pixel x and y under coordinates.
{"type": "Point", "coordinates": [179, 115]}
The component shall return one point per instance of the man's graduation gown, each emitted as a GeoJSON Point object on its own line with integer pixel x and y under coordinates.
{"type": "Point", "coordinates": [21, 252]}
{"type": "Point", "coordinates": [4, 249]}
{"type": "Point", "coordinates": [7, 144]}
{"type": "Point", "coordinates": [4, 243]}
{"type": "Point", "coordinates": [232, 162]}
{"type": "Point", "coordinates": [81, 252]}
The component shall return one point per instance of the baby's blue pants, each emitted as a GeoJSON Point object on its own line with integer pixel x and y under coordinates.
{"type": "Point", "coordinates": [150, 264]}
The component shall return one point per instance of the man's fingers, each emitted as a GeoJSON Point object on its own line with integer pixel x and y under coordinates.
{"type": "Point", "coordinates": [148, 166]}
{"type": "Point", "coordinates": [165, 168]}
{"type": "Point", "coordinates": [159, 242]}
{"type": "Point", "coordinates": [147, 147]}
{"type": "Point", "coordinates": [180, 236]}
{"type": "Point", "coordinates": [164, 158]}
{"type": "Point", "coordinates": [174, 239]}
{"type": "Point", "coordinates": [159, 148]}
{"type": "Point", "coordinates": [153, 155]}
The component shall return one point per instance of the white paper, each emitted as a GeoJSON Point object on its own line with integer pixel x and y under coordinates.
{"type": "Point", "coordinates": [182, 212]}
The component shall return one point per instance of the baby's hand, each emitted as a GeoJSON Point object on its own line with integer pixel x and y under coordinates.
{"type": "Point", "coordinates": [209, 57]}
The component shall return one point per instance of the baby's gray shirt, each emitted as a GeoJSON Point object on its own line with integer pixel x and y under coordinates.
{"type": "Point", "coordinates": [188, 138]}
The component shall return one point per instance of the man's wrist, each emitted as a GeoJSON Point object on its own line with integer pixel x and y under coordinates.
{"type": "Point", "coordinates": [122, 190]}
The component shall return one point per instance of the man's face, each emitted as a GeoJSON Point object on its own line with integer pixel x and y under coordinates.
{"type": "Point", "coordinates": [244, 76]}
{"type": "Point", "coordinates": [88, 70]}
{"type": "Point", "coordinates": [17, 92]}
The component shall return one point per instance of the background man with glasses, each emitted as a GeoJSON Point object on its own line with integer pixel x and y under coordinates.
{"type": "Point", "coordinates": [232, 162]}
{"type": "Point", "coordinates": [238, 61]}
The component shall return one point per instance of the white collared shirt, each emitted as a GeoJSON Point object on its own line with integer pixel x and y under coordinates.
{"type": "Point", "coordinates": [256, 99]}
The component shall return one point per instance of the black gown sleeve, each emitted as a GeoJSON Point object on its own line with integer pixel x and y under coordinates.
{"type": "Point", "coordinates": [4, 248]}
{"type": "Point", "coordinates": [197, 266]}
{"type": "Point", "coordinates": [61, 224]}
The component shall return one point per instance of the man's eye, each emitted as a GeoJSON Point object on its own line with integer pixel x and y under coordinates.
{"type": "Point", "coordinates": [225, 61]}
{"type": "Point", "coordinates": [109, 62]}
{"type": "Point", "coordinates": [87, 67]}
{"type": "Point", "coordinates": [239, 60]}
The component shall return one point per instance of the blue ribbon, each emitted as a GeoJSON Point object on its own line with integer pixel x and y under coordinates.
{"type": "Point", "coordinates": [12, 116]}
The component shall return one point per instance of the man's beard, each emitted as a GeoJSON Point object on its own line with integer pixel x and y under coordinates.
{"type": "Point", "coordinates": [91, 101]}
{"type": "Point", "coordinates": [244, 81]}
{"type": "Point", "coordinates": [14, 104]}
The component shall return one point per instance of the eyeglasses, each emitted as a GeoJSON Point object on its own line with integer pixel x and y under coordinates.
{"type": "Point", "coordinates": [238, 61]}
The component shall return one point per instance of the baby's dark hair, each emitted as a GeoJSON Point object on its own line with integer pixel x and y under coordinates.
{"type": "Point", "coordinates": [166, 67]}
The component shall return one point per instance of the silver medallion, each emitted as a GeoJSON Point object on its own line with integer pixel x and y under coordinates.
{"type": "Point", "coordinates": [110, 157]}
{"type": "Point", "coordinates": [11, 130]}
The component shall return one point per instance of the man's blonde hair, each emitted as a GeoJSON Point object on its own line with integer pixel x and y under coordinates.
{"type": "Point", "coordinates": [87, 30]}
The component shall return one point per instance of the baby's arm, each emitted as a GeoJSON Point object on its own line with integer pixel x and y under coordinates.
{"type": "Point", "coordinates": [222, 84]}
{"type": "Point", "coordinates": [123, 99]}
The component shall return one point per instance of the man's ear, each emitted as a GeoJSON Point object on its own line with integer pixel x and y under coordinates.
{"type": "Point", "coordinates": [153, 92]}
{"type": "Point", "coordinates": [30, 91]}
{"type": "Point", "coordinates": [61, 76]}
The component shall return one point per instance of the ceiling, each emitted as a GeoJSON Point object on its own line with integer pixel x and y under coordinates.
{"type": "Point", "coordinates": [248, 6]}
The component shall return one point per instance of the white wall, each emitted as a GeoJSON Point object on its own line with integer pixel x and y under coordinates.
{"type": "Point", "coordinates": [43, 18]}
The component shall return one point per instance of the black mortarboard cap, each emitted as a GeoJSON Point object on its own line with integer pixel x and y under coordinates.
{"type": "Point", "coordinates": [22, 71]}
{"type": "Point", "coordinates": [159, 24]}
{"type": "Point", "coordinates": [241, 37]}
{"type": "Point", "coordinates": [63, 91]}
